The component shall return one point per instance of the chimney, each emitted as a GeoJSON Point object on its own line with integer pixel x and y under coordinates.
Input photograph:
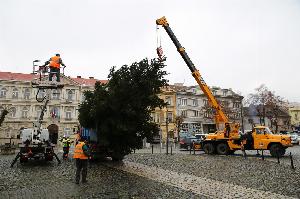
{"type": "Point", "coordinates": [78, 76]}
{"type": "Point", "coordinates": [91, 77]}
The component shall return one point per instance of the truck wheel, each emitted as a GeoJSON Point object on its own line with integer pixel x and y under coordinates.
{"type": "Point", "coordinates": [208, 148]}
{"type": "Point", "coordinates": [231, 152]}
{"type": "Point", "coordinates": [277, 150]}
{"type": "Point", "coordinates": [116, 157]}
{"type": "Point", "coordinates": [222, 149]}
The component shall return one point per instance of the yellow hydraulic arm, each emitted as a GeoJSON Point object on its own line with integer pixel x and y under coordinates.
{"type": "Point", "coordinates": [220, 116]}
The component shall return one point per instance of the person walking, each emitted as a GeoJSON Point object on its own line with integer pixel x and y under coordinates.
{"type": "Point", "coordinates": [81, 155]}
{"type": "Point", "coordinates": [54, 64]}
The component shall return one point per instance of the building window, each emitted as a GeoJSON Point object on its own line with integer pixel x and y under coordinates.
{"type": "Point", "coordinates": [153, 117]}
{"type": "Point", "coordinates": [82, 98]}
{"type": "Point", "coordinates": [183, 102]}
{"type": "Point", "coordinates": [13, 112]}
{"type": "Point", "coordinates": [225, 104]}
{"type": "Point", "coordinates": [214, 92]}
{"type": "Point", "coordinates": [196, 113]}
{"type": "Point", "coordinates": [184, 113]}
{"type": "Point", "coordinates": [225, 92]}
{"type": "Point", "coordinates": [70, 95]}
{"type": "Point", "coordinates": [38, 110]}
{"type": "Point", "coordinates": [195, 102]}
{"type": "Point", "coordinates": [25, 112]}
{"type": "Point", "coordinates": [54, 113]}
{"type": "Point", "coordinates": [41, 94]}
{"type": "Point", "coordinates": [179, 101]}
{"type": "Point", "coordinates": [205, 102]}
{"type": "Point", "coordinates": [55, 94]}
{"type": "Point", "coordinates": [27, 93]}
{"type": "Point", "coordinates": [157, 117]}
{"type": "Point", "coordinates": [296, 116]}
{"type": "Point", "coordinates": [170, 117]}
{"type": "Point", "coordinates": [68, 114]}
{"type": "Point", "coordinates": [236, 104]}
{"type": "Point", "coordinates": [67, 132]}
{"type": "Point", "coordinates": [169, 100]}
{"type": "Point", "coordinates": [3, 93]}
{"type": "Point", "coordinates": [15, 93]}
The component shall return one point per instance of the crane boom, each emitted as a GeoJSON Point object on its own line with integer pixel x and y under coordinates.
{"type": "Point", "coordinates": [220, 116]}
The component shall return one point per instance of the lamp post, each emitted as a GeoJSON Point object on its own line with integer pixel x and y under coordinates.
{"type": "Point", "coordinates": [33, 66]}
{"type": "Point", "coordinates": [167, 130]}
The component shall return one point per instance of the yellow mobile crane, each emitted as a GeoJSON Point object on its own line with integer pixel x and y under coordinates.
{"type": "Point", "coordinates": [228, 140]}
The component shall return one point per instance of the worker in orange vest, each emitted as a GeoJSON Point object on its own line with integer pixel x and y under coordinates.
{"type": "Point", "coordinates": [54, 64]}
{"type": "Point", "coordinates": [81, 155]}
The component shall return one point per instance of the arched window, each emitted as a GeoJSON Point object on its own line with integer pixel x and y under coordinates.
{"type": "Point", "coordinates": [13, 112]}
{"type": "Point", "coordinates": [3, 93]}
{"type": "Point", "coordinates": [27, 93]}
{"type": "Point", "coordinates": [70, 95]}
{"type": "Point", "coordinates": [68, 114]}
{"type": "Point", "coordinates": [15, 93]}
{"type": "Point", "coordinates": [41, 94]}
{"type": "Point", "coordinates": [25, 112]}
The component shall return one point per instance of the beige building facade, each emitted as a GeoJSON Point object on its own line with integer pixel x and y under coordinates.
{"type": "Point", "coordinates": [294, 112]}
{"type": "Point", "coordinates": [166, 116]}
{"type": "Point", "coordinates": [19, 98]}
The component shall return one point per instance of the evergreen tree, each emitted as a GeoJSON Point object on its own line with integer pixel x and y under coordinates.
{"type": "Point", "coordinates": [120, 110]}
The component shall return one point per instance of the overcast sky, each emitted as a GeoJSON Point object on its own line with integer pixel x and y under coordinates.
{"type": "Point", "coordinates": [238, 44]}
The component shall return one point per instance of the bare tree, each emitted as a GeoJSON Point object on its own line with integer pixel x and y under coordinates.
{"type": "Point", "coordinates": [268, 105]}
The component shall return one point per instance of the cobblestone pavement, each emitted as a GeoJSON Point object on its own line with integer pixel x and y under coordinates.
{"type": "Point", "coordinates": [49, 180]}
{"type": "Point", "coordinates": [146, 175]}
{"type": "Point", "coordinates": [232, 171]}
{"type": "Point", "coordinates": [204, 186]}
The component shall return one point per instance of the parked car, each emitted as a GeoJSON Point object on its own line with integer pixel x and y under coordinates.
{"type": "Point", "coordinates": [294, 136]}
{"type": "Point", "coordinates": [187, 143]}
{"type": "Point", "coordinates": [201, 136]}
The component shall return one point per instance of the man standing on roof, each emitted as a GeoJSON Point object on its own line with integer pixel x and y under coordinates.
{"type": "Point", "coordinates": [54, 64]}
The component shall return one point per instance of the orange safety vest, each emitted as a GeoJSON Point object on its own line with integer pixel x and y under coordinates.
{"type": "Point", "coordinates": [54, 62]}
{"type": "Point", "coordinates": [78, 152]}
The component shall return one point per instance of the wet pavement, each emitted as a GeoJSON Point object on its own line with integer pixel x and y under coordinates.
{"type": "Point", "coordinates": [146, 175]}
{"type": "Point", "coordinates": [38, 179]}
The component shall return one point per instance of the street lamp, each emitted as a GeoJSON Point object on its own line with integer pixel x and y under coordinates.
{"type": "Point", "coordinates": [167, 123]}
{"type": "Point", "coordinates": [33, 66]}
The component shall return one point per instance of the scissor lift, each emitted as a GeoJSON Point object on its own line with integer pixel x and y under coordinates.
{"type": "Point", "coordinates": [36, 142]}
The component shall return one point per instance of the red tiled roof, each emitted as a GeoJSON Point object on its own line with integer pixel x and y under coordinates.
{"type": "Point", "coordinates": [16, 76]}
{"type": "Point", "coordinates": [84, 81]}
{"type": "Point", "coordinates": [29, 77]}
